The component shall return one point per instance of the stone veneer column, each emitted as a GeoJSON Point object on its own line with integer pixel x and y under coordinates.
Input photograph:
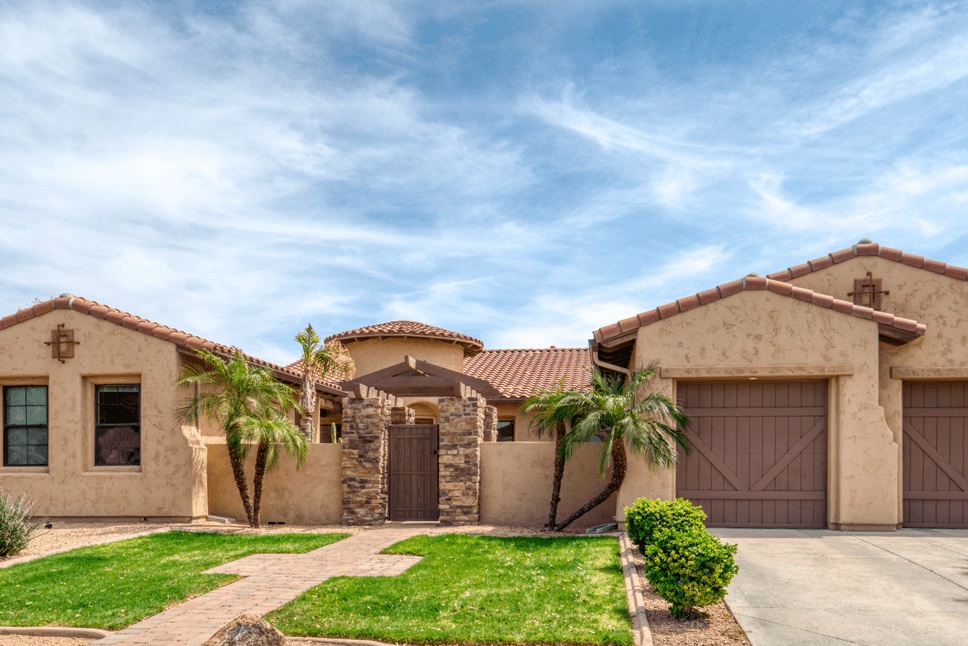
{"type": "Point", "coordinates": [461, 432]}
{"type": "Point", "coordinates": [403, 415]}
{"type": "Point", "coordinates": [364, 461]}
{"type": "Point", "coordinates": [490, 424]}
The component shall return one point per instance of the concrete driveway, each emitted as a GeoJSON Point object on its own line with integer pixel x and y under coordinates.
{"type": "Point", "coordinates": [824, 587]}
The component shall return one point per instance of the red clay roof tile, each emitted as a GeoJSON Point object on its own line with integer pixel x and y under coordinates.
{"type": "Point", "coordinates": [518, 374]}
{"type": "Point", "coordinates": [756, 283]}
{"type": "Point", "coordinates": [874, 249]}
{"type": "Point", "coordinates": [708, 296]}
{"type": "Point", "coordinates": [409, 329]}
{"type": "Point", "coordinates": [688, 303]}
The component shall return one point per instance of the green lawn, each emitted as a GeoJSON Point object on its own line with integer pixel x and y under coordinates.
{"type": "Point", "coordinates": [477, 590]}
{"type": "Point", "coordinates": [114, 585]}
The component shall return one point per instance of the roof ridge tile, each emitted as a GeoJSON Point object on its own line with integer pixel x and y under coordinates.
{"type": "Point", "coordinates": [135, 323]}
{"type": "Point", "coordinates": [758, 283]}
{"type": "Point", "coordinates": [871, 249]}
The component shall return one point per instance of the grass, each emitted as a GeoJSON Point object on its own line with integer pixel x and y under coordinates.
{"type": "Point", "coordinates": [476, 590]}
{"type": "Point", "coordinates": [112, 586]}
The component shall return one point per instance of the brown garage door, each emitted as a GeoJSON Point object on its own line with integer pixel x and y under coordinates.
{"type": "Point", "coordinates": [758, 454]}
{"type": "Point", "coordinates": [935, 454]}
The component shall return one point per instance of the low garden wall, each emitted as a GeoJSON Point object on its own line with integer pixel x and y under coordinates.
{"type": "Point", "coordinates": [310, 494]}
{"type": "Point", "coordinates": [516, 484]}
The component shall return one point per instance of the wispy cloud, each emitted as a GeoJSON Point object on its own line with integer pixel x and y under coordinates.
{"type": "Point", "coordinates": [522, 172]}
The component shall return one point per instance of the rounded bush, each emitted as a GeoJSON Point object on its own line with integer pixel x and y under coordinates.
{"type": "Point", "coordinates": [689, 569]}
{"type": "Point", "coordinates": [646, 517]}
{"type": "Point", "coordinates": [16, 526]}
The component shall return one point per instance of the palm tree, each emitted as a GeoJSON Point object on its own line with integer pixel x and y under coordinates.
{"type": "Point", "coordinates": [319, 360]}
{"type": "Point", "coordinates": [253, 408]}
{"type": "Point", "coordinates": [551, 416]}
{"type": "Point", "coordinates": [612, 410]}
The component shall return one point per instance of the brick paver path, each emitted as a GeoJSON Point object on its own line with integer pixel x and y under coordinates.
{"type": "Point", "coordinates": [269, 581]}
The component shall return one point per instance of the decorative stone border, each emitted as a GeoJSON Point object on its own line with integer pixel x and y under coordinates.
{"type": "Point", "coordinates": [54, 631]}
{"type": "Point", "coordinates": [633, 593]}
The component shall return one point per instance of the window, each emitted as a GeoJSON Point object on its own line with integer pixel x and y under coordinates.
{"type": "Point", "coordinates": [117, 430]}
{"type": "Point", "coordinates": [505, 430]}
{"type": "Point", "coordinates": [25, 426]}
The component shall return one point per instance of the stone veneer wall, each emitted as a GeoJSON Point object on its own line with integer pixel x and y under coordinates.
{"type": "Point", "coordinates": [364, 460]}
{"type": "Point", "coordinates": [403, 415]}
{"type": "Point", "coordinates": [490, 424]}
{"type": "Point", "coordinates": [461, 433]}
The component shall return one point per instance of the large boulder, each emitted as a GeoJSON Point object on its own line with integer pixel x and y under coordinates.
{"type": "Point", "coordinates": [247, 630]}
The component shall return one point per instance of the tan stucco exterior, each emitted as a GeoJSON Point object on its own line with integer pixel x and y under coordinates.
{"type": "Point", "coordinates": [760, 334]}
{"type": "Point", "coordinates": [371, 355]}
{"type": "Point", "coordinates": [170, 483]}
{"type": "Point", "coordinates": [302, 494]}
{"type": "Point", "coordinates": [938, 301]}
{"type": "Point", "coordinates": [516, 484]}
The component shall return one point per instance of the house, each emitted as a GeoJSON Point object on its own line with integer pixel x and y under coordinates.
{"type": "Point", "coordinates": [91, 430]}
{"type": "Point", "coordinates": [830, 394]}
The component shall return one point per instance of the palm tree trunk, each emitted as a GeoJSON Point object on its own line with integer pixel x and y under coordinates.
{"type": "Point", "coordinates": [307, 402]}
{"type": "Point", "coordinates": [238, 471]}
{"type": "Point", "coordinates": [261, 457]}
{"type": "Point", "coordinates": [559, 474]}
{"type": "Point", "coordinates": [619, 467]}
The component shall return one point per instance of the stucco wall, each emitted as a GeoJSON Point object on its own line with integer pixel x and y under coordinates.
{"type": "Point", "coordinates": [516, 484]}
{"type": "Point", "coordinates": [371, 355]}
{"type": "Point", "coordinates": [759, 333]}
{"type": "Point", "coordinates": [938, 301]}
{"type": "Point", "coordinates": [308, 494]}
{"type": "Point", "coordinates": [171, 479]}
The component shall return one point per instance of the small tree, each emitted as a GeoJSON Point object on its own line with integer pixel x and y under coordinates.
{"type": "Point", "coordinates": [613, 410]}
{"type": "Point", "coordinates": [253, 408]}
{"type": "Point", "coordinates": [550, 415]}
{"type": "Point", "coordinates": [318, 360]}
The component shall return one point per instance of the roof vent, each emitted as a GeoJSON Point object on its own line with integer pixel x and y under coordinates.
{"type": "Point", "coordinates": [865, 241]}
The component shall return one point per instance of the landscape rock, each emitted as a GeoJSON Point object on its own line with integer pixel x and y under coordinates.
{"type": "Point", "coordinates": [247, 630]}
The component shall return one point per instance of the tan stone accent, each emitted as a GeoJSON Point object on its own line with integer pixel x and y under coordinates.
{"type": "Point", "coordinates": [461, 433]}
{"type": "Point", "coordinates": [403, 415]}
{"type": "Point", "coordinates": [490, 424]}
{"type": "Point", "coordinates": [364, 460]}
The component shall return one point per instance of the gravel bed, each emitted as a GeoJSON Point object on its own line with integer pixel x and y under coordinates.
{"type": "Point", "coordinates": [717, 626]}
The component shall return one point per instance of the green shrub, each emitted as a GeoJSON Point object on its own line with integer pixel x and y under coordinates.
{"type": "Point", "coordinates": [16, 526]}
{"type": "Point", "coordinates": [646, 517]}
{"type": "Point", "coordinates": [689, 569]}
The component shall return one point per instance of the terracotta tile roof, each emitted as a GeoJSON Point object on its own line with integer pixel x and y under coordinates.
{"type": "Point", "coordinates": [296, 367]}
{"type": "Point", "coordinates": [517, 374]}
{"type": "Point", "coordinates": [138, 324]}
{"type": "Point", "coordinates": [871, 249]}
{"type": "Point", "coordinates": [625, 329]}
{"type": "Point", "coordinates": [410, 329]}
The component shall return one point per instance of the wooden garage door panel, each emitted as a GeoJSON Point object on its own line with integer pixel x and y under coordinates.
{"type": "Point", "coordinates": [413, 472]}
{"type": "Point", "coordinates": [935, 454]}
{"type": "Point", "coordinates": [759, 452]}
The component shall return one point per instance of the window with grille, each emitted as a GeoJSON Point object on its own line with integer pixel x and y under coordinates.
{"type": "Point", "coordinates": [25, 426]}
{"type": "Point", "coordinates": [117, 429]}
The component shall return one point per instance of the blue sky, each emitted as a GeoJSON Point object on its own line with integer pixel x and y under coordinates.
{"type": "Point", "coordinates": [524, 172]}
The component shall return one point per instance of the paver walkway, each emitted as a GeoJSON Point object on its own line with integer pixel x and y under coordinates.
{"type": "Point", "coordinates": [269, 581]}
